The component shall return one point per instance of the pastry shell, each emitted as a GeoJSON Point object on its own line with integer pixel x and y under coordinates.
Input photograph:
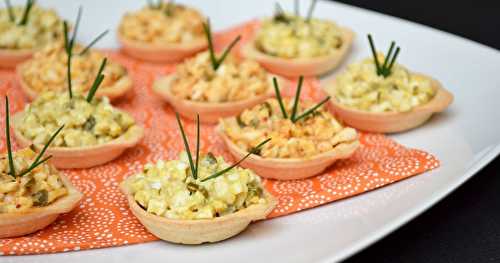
{"type": "Point", "coordinates": [391, 122]}
{"type": "Point", "coordinates": [87, 156]}
{"type": "Point", "coordinates": [9, 58]}
{"type": "Point", "coordinates": [26, 222]}
{"type": "Point", "coordinates": [300, 66]}
{"type": "Point", "coordinates": [173, 52]}
{"type": "Point", "coordinates": [119, 88]}
{"type": "Point", "coordinates": [199, 231]}
{"type": "Point", "coordinates": [210, 112]}
{"type": "Point", "coordinates": [292, 168]}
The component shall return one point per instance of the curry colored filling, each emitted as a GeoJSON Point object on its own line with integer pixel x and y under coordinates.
{"type": "Point", "coordinates": [47, 71]}
{"type": "Point", "coordinates": [359, 87]}
{"type": "Point", "coordinates": [86, 124]}
{"type": "Point", "coordinates": [234, 80]}
{"type": "Point", "coordinates": [39, 187]}
{"type": "Point", "coordinates": [168, 23]}
{"type": "Point", "coordinates": [288, 36]}
{"type": "Point", "coordinates": [43, 27]}
{"type": "Point", "coordinates": [167, 189]}
{"type": "Point", "coordinates": [318, 133]}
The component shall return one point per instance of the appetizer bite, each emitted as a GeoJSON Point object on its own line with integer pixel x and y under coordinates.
{"type": "Point", "coordinates": [379, 95]}
{"type": "Point", "coordinates": [214, 86]}
{"type": "Point", "coordinates": [32, 192]}
{"type": "Point", "coordinates": [197, 200]}
{"type": "Point", "coordinates": [162, 32]}
{"type": "Point", "coordinates": [303, 144]}
{"type": "Point", "coordinates": [25, 29]}
{"type": "Point", "coordinates": [95, 133]}
{"type": "Point", "coordinates": [46, 71]}
{"type": "Point", "coordinates": [292, 45]}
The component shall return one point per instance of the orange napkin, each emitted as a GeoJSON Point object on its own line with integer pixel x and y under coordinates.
{"type": "Point", "coordinates": [103, 219]}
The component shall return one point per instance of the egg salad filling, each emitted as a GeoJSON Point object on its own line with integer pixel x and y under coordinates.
{"type": "Point", "coordinates": [234, 80]}
{"type": "Point", "coordinates": [167, 189]}
{"type": "Point", "coordinates": [359, 87]}
{"type": "Point", "coordinates": [42, 27]}
{"type": "Point", "coordinates": [38, 188]}
{"type": "Point", "coordinates": [318, 133]}
{"type": "Point", "coordinates": [86, 124]}
{"type": "Point", "coordinates": [47, 70]}
{"type": "Point", "coordinates": [163, 24]}
{"type": "Point", "coordinates": [288, 36]}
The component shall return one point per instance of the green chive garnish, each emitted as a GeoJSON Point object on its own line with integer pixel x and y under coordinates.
{"type": "Point", "coordinates": [68, 47]}
{"type": "Point", "coordinates": [213, 59]}
{"type": "Point", "coordinates": [297, 96]}
{"type": "Point", "coordinates": [278, 96]}
{"type": "Point", "coordinates": [311, 10]}
{"type": "Point", "coordinates": [27, 9]}
{"type": "Point", "coordinates": [312, 109]}
{"type": "Point", "coordinates": [87, 48]}
{"type": "Point", "coordinates": [37, 161]}
{"type": "Point", "coordinates": [97, 81]}
{"type": "Point", "coordinates": [252, 151]}
{"type": "Point", "coordinates": [194, 166]}
{"type": "Point", "coordinates": [296, 7]}
{"type": "Point", "coordinates": [384, 69]}
{"type": "Point", "coordinates": [12, 168]}
{"type": "Point", "coordinates": [10, 11]}
{"type": "Point", "coordinates": [294, 118]}
{"type": "Point", "coordinates": [186, 145]}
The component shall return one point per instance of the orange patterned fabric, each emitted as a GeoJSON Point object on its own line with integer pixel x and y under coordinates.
{"type": "Point", "coordinates": [103, 219]}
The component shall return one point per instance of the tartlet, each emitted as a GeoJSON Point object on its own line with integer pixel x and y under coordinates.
{"type": "Point", "coordinates": [46, 71]}
{"type": "Point", "coordinates": [163, 32]}
{"type": "Point", "coordinates": [385, 97]}
{"type": "Point", "coordinates": [287, 45]}
{"type": "Point", "coordinates": [196, 88]}
{"type": "Point", "coordinates": [298, 149]}
{"type": "Point", "coordinates": [32, 192]}
{"type": "Point", "coordinates": [95, 132]}
{"type": "Point", "coordinates": [20, 37]}
{"type": "Point", "coordinates": [197, 200]}
{"type": "Point", "coordinates": [31, 219]}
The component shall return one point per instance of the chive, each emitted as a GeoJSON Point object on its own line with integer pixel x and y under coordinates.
{"type": "Point", "coordinates": [42, 152]}
{"type": "Point", "coordinates": [68, 47]}
{"type": "Point", "coordinates": [12, 18]}
{"type": "Point", "coordinates": [252, 151]}
{"type": "Point", "coordinates": [213, 59]}
{"type": "Point", "coordinates": [35, 165]}
{"type": "Point", "coordinates": [297, 96]}
{"type": "Point", "coordinates": [93, 42]}
{"type": "Point", "coordinates": [296, 5]}
{"type": "Point", "coordinates": [310, 11]}
{"type": "Point", "coordinates": [226, 51]}
{"type": "Point", "coordinates": [374, 53]}
{"type": "Point", "coordinates": [388, 57]}
{"type": "Point", "coordinates": [311, 110]}
{"type": "Point", "coordinates": [392, 61]}
{"type": "Point", "coordinates": [27, 9]}
{"type": "Point", "coordinates": [12, 169]}
{"type": "Point", "coordinates": [197, 144]}
{"type": "Point", "coordinates": [97, 82]}
{"type": "Point", "coordinates": [278, 96]}
{"type": "Point", "coordinates": [170, 8]}
{"type": "Point", "coordinates": [208, 34]}
{"type": "Point", "coordinates": [77, 25]}
{"type": "Point", "coordinates": [186, 145]}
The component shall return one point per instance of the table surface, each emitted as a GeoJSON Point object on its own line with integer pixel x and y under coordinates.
{"type": "Point", "coordinates": [444, 233]}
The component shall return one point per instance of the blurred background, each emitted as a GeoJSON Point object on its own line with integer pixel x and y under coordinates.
{"type": "Point", "coordinates": [465, 226]}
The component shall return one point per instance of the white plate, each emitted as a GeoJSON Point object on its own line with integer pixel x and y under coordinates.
{"type": "Point", "coordinates": [465, 139]}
